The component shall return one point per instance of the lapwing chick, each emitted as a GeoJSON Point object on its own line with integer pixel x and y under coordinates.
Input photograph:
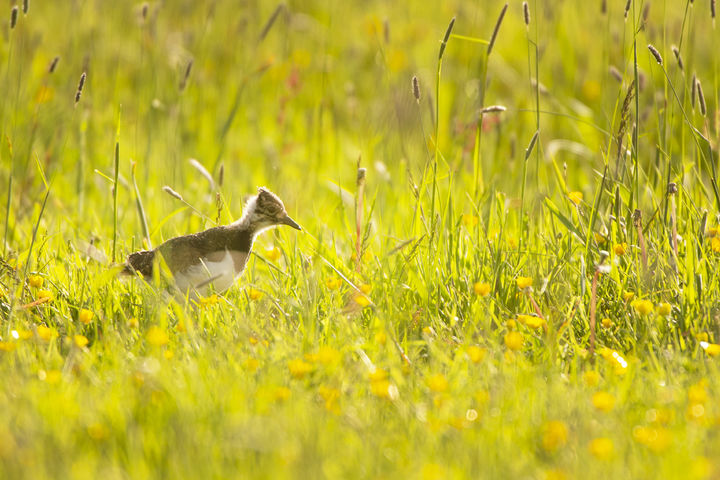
{"type": "Point", "coordinates": [214, 258]}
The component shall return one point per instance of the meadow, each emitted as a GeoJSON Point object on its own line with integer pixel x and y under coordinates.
{"type": "Point", "coordinates": [509, 259]}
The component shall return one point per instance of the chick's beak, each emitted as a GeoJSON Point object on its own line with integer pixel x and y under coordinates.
{"type": "Point", "coordinates": [290, 222]}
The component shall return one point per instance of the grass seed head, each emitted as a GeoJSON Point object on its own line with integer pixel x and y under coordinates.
{"type": "Point", "coordinates": [172, 192]}
{"type": "Point", "coordinates": [26, 6]}
{"type": "Point", "coordinates": [701, 98]}
{"type": "Point", "coordinates": [693, 93]}
{"type": "Point", "coordinates": [53, 64]}
{"type": "Point", "coordinates": [615, 73]}
{"type": "Point", "coordinates": [13, 17]}
{"type": "Point", "coordinates": [416, 88]}
{"type": "Point", "coordinates": [676, 52]}
{"type": "Point", "coordinates": [655, 54]}
{"type": "Point", "coordinates": [496, 29]}
{"type": "Point", "coordinates": [188, 69]}
{"type": "Point", "coordinates": [446, 38]}
{"type": "Point", "coordinates": [526, 13]}
{"type": "Point", "coordinates": [81, 85]}
{"type": "Point", "coordinates": [627, 8]}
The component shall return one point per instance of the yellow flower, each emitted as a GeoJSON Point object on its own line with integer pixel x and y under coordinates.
{"type": "Point", "coordinates": [697, 393]}
{"type": "Point", "coordinates": [272, 253]}
{"type": "Point", "coordinates": [715, 244]}
{"type": "Point", "coordinates": [378, 375]}
{"type": "Point", "coordinates": [603, 401]}
{"type": "Point", "coordinates": [533, 322]}
{"type": "Point", "coordinates": [664, 309]}
{"type": "Point", "coordinates": [168, 354]}
{"type": "Point", "coordinates": [606, 322]}
{"type": "Point", "coordinates": [599, 238]}
{"type": "Point", "coordinates": [514, 341]}
{"type": "Point", "coordinates": [85, 316]}
{"type": "Point", "coordinates": [254, 293]}
{"type": "Point", "coordinates": [511, 324]}
{"type": "Point", "coordinates": [327, 355]}
{"type": "Point", "coordinates": [361, 300]}
{"type": "Point", "coordinates": [208, 301]}
{"type": "Point", "coordinates": [7, 346]}
{"type": "Point", "coordinates": [22, 334]}
{"type": "Point", "coordinates": [133, 322]}
{"type": "Point", "coordinates": [333, 283]}
{"type": "Point", "coordinates": [555, 435]}
{"type": "Point", "coordinates": [251, 364]}
{"type": "Point", "coordinates": [657, 439]}
{"type": "Point", "coordinates": [575, 197]}
{"type": "Point", "coordinates": [620, 248]}
{"type": "Point", "coordinates": [481, 289]}
{"type": "Point", "coordinates": [380, 338]}
{"type": "Point", "coordinates": [46, 333]}
{"type": "Point", "coordinates": [156, 336]}
{"type": "Point", "coordinates": [643, 307]}
{"type": "Point", "coordinates": [35, 281]}
{"type": "Point", "coordinates": [476, 354]}
{"type": "Point", "coordinates": [524, 282]}
{"type": "Point", "coordinates": [46, 295]}
{"type": "Point", "coordinates": [281, 393]}
{"type": "Point", "coordinates": [627, 296]}
{"type": "Point", "coordinates": [438, 383]}
{"type": "Point", "coordinates": [712, 349]}
{"type": "Point", "coordinates": [80, 340]}
{"type": "Point", "coordinates": [380, 388]}
{"type": "Point", "coordinates": [330, 396]}
{"type": "Point", "coordinates": [601, 448]}
{"type": "Point", "coordinates": [591, 378]}
{"type": "Point", "coordinates": [50, 376]}
{"type": "Point", "coordinates": [299, 368]}
{"type": "Point", "coordinates": [469, 220]}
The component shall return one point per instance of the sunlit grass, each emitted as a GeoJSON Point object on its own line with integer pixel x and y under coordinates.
{"type": "Point", "coordinates": [521, 283]}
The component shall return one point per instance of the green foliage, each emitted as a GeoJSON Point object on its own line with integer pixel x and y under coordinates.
{"type": "Point", "coordinates": [461, 343]}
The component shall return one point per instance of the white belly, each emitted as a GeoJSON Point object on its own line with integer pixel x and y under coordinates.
{"type": "Point", "coordinates": [208, 276]}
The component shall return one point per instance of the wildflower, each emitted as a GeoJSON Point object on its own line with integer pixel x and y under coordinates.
{"type": "Point", "coordinates": [664, 309]}
{"type": "Point", "coordinates": [133, 322]}
{"type": "Point", "coordinates": [281, 393]}
{"type": "Point", "coordinates": [643, 307]}
{"type": "Point", "coordinates": [712, 349]}
{"type": "Point", "coordinates": [555, 435]}
{"type": "Point", "coordinates": [603, 401]}
{"type": "Point", "coordinates": [80, 341]}
{"type": "Point", "coordinates": [50, 376]}
{"type": "Point", "coordinates": [606, 322]}
{"type": "Point", "coordinates": [97, 431]}
{"type": "Point", "coordinates": [378, 374]}
{"type": "Point", "coordinates": [36, 281]}
{"type": "Point", "coordinates": [481, 289]}
{"type": "Point", "coordinates": [697, 393]}
{"type": "Point", "coordinates": [362, 300]}
{"type": "Point", "coordinates": [272, 253]}
{"type": "Point", "coordinates": [532, 321]}
{"type": "Point", "coordinates": [299, 368]}
{"type": "Point", "coordinates": [438, 383]}
{"type": "Point", "coordinates": [657, 439]}
{"type": "Point", "coordinates": [330, 396]}
{"type": "Point", "coordinates": [22, 334]}
{"type": "Point", "coordinates": [156, 336]}
{"type": "Point", "coordinates": [575, 197]}
{"type": "Point", "coordinates": [7, 346]}
{"type": "Point", "coordinates": [168, 354]}
{"type": "Point", "coordinates": [524, 282]}
{"type": "Point", "coordinates": [46, 333]}
{"type": "Point", "coordinates": [476, 354]}
{"type": "Point", "coordinates": [327, 355]}
{"type": "Point", "coordinates": [45, 295]}
{"type": "Point", "coordinates": [627, 296]}
{"type": "Point", "coordinates": [511, 324]}
{"type": "Point", "coordinates": [333, 283]}
{"type": "Point", "coordinates": [85, 316]}
{"type": "Point", "coordinates": [599, 238]}
{"type": "Point", "coordinates": [715, 244]}
{"type": "Point", "coordinates": [380, 388]}
{"type": "Point", "coordinates": [251, 364]}
{"type": "Point", "coordinates": [254, 293]}
{"type": "Point", "coordinates": [591, 378]}
{"type": "Point", "coordinates": [615, 358]}
{"type": "Point", "coordinates": [620, 249]}
{"type": "Point", "coordinates": [380, 338]}
{"type": "Point", "coordinates": [209, 301]}
{"type": "Point", "coordinates": [469, 220]}
{"type": "Point", "coordinates": [514, 341]}
{"type": "Point", "coordinates": [601, 448]}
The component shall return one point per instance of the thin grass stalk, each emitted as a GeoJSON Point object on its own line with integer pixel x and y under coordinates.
{"type": "Point", "coordinates": [141, 209]}
{"type": "Point", "coordinates": [115, 195]}
{"type": "Point", "coordinates": [359, 200]}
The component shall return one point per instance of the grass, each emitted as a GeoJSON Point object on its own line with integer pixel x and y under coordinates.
{"type": "Point", "coordinates": [456, 310]}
